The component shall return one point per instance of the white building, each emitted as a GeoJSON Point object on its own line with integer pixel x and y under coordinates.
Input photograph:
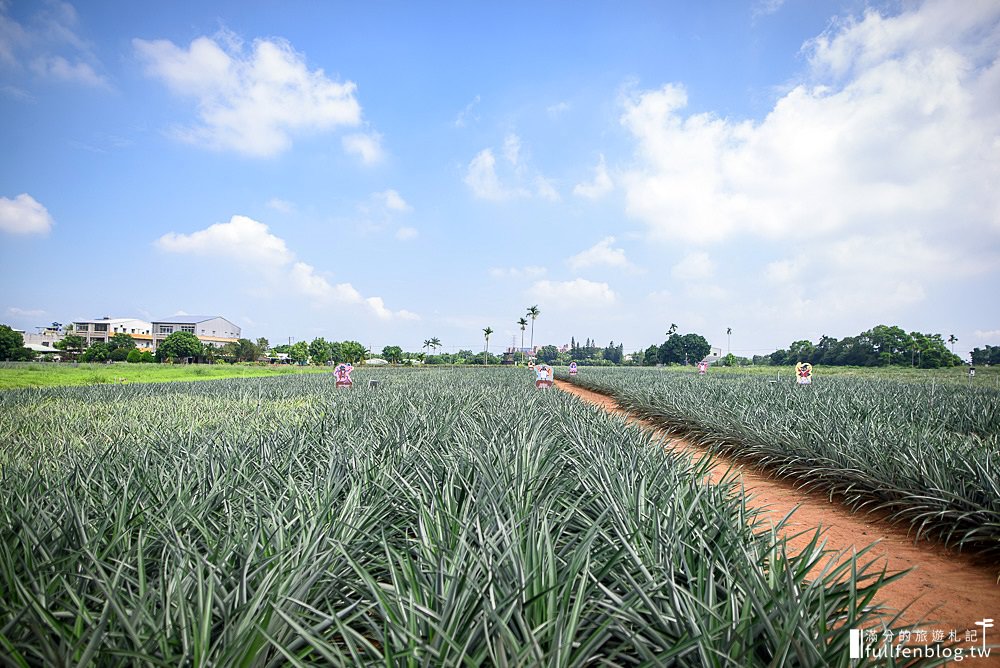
{"type": "Point", "coordinates": [104, 328]}
{"type": "Point", "coordinates": [213, 330]}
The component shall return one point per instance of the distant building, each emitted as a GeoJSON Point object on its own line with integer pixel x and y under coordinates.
{"type": "Point", "coordinates": [212, 330]}
{"type": "Point", "coordinates": [104, 328]}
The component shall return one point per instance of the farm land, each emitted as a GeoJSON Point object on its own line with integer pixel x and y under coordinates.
{"type": "Point", "coordinates": [459, 516]}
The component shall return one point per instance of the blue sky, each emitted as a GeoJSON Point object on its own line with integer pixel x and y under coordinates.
{"type": "Point", "coordinates": [391, 172]}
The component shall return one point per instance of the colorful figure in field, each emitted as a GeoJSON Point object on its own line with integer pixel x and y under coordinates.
{"type": "Point", "coordinates": [803, 373]}
{"type": "Point", "coordinates": [572, 368]}
{"type": "Point", "coordinates": [702, 367]}
{"type": "Point", "coordinates": [342, 372]}
{"type": "Point", "coordinates": [543, 376]}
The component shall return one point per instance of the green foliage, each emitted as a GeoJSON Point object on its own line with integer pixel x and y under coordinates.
{"type": "Point", "coordinates": [880, 346]}
{"type": "Point", "coordinates": [12, 346]}
{"type": "Point", "coordinates": [320, 351]}
{"type": "Point", "coordinates": [392, 354]}
{"type": "Point", "coordinates": [97, 352]}
{"type": "Point", "coordinates": [121, 341]}
{"type": "Point", "coordinates": [987, 355]}
{"type": "Point", "coordinates": [299, 352]}
{"type": "Point", "coordinates": [547, 354]}
{"type": "Point", "coordinates": [443, 519]}
{"type": "Point", "coordinates": [179, 346]}
{"type": "Point", "coordinates": [134, 356]}
{"type": "Point", "coordinates": [72, 345]}
{"type": "Point", "coordinates": [353, 352]}
{"type": "Point", "coordinates": [925, 453]}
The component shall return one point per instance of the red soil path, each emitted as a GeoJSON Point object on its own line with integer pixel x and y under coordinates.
{"type": "Point", "coordinates": [945, 590]}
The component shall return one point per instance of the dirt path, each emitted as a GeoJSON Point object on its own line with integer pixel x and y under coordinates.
{"type": "Point", "coordinates": [945, 590]}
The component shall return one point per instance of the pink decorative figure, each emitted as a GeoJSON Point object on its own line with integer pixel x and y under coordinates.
{"type": "Point", "coordinates": [544, 376]}
{"type": "Point", "coordinates": [342, 373]}
{"type": "Point", "coordinates": [702, 367]}
{"type": "Point", "coordinates": [572, 368]}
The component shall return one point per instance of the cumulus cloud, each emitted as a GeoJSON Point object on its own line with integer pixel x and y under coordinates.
{"type": "Point", "coordinates": [694, 266]}
{"type": "Point", "coordinates": [482, 179]}
{"type": "Point", "coordinates": [251, 244]}
{"type": "Point", "coordinates": [897, 128]}
{"type": "Point", "coordinates": [577, 292]}
{"type": "Point", "coordinates": [24, 215]}
{"type": "Point", "coordinates": [24, 312]}
{"type": "Point", "coordinates": [513, 178]}
{"type": "Point", "coordinates": [392, 201]}
{"type": "Point", "coordinates": [368, 147]}
{"type": "Point", "coordinates": [468, 113]}
{"type": "Point", "coordinates": [600, 186]}
{"type": "Point", "coordinates": [600, 254]}
{"type": "Point", "coordinates": [250, 102]}
{"type": "Point", "coordinates": [49, 45]}
{"type": "Point", "coordinates": [280, 205]}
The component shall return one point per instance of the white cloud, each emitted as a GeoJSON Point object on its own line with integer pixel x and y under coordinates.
{"type": "Point", "coordinates": [24, 313]}
{"type": "Point", "coordinates": [512, 148]}
{"type": "Point", "coordinates": [765, 7]}
{"type": "Point", "coordinates": [242, 239]}
{"type": "Point", "coordinates": [577, 292]}
{"type": "Point", "coordinates": [694, 266]}
{"type": "Point", "coordinates": [481, 176]}
{"type": "Point", "coordinates": [24, 215]}
{"type": "Point", "coordinates": [368, 147]}
{"type": "Point", "coordinates": [897, 131]}
{"type": "Point", "coordinates": [392, 201]}
{"type": "Point", "coordinates": [545, 189]}
{"type": "Point", "coordinates": [600, 254]}
{"type": "Point", "coordinates": [406, 233]}
{"type": "Point", "coordinates": [251, 244]}
{"type": "Point", "coordinates": [558, 109]}
{"type": "Point", "coordinates": [987, 334]}
{"type": "Point", "coordinates": [249, 102]}
{"type": "Point", "coordinates": [783, 271]}
{"type": "Point", "coordinates": [280, 205]}
{"type": "Point", "coordinates": [57, 67]}
{"type": "Point", "coordinates": [599, 187]}
{"type": "Point", "coordinates": [482, 179]}
{"type": "Point", "coordinates": [467, 113]}
{"type": "Point", "coordinates": [517, 272]}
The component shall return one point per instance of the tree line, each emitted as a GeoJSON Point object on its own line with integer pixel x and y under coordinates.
{"type": "Point", "coordinates": [882, 345]}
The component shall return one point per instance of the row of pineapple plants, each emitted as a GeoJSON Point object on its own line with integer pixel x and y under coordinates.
{"type": "Point", "coordinates": [925, 454]}
{"type": "Point", "coordinates": [440, 518]}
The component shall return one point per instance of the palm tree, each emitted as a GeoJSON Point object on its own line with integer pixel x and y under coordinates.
{"type": "Point", "coordinates": [427, 344]}
{"type": "Point", "coordinates": [523, 323]}
{"type": "Point", "coordinates": [952, 339]}
{"type": "Point", "coordinates": [673, 328]}
{"type": "Point", "coordinates": [533, 312]}
{"type": "Point", "coordinates": [486, 350]}
{"type": "Point", "coordinates": [729, 337]}
{"type": "Point", "coordinates": [435, 343]}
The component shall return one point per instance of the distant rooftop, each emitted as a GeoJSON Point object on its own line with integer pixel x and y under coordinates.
{"type": "Point", "coordinates": [188, 319]}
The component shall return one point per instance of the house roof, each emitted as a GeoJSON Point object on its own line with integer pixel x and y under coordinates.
{"type": "Point", "coordinates": [188, 319]}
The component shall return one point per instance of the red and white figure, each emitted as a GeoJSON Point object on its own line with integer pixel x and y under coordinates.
{"type": "Point", "coordinates": [342, 372]}
{"type": "Point", "coordinates": [543, 376]}
{"type": "Point", "coordinates": [803, 373]}
{"type": "Point", "coordinates": [572, 368]}
{"type": "Point", "coordinates": [702, 367]}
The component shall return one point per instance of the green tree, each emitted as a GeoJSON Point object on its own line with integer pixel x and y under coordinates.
{"type": "Point", "coordinates": [650, 357]}
{"type": "Point", "coordinates": [533, 313]}
{"type": "Point", "coordinates": [487, 331]}
{"type": "Point", "coordinates": [134, 356]}
{"type": "Point", "coordinates": [522, 323]}
{"type": "Point", "coordinates": [263, 345]}
{"type": "Point", "coordinates": [179, 346]}
{"type": "Point", "coordinates": [72, 345]}
{"type": "Point", "coordinates": [392, 354]}
{"type": "Point", "coordinates": [320, 351]}
{"type": "Point", "coordinates": [548, 354]}
{"type": "Point", "coordinates": [99, 351]}
{"type": "Point", "coordinates": [121, 341]}
{"type": "Point", "coordinates": [12, 346]}
{"type": "Point", "coordinates": [352, 352]}
{"type": "Point", "coordinates": [299, 352]}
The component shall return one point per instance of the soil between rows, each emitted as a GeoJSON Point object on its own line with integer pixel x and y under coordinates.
{"type": "Point", "coordinates": [944, 590]}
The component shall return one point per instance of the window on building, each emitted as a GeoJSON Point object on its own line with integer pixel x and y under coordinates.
{"type": "Point", "coordinates": [187, 328]}
{"type": "Point", "coordinates": [82, 327]}
{"type": "Point", "coordinates": [100, 327]}
{"type": "Point", "coordinates": [165, 329]}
